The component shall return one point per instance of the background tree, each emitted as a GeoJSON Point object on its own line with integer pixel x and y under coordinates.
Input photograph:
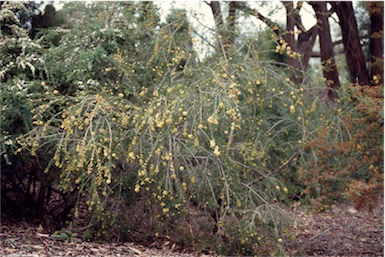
{"type": "Point", "coordinates": [355, 57]}
{"type": "Point", "coordinates": [376, 43]}
{"type": "Point", "coordinates": [300, 47]}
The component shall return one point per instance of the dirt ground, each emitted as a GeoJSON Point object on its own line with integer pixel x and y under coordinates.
{"type": "Point", "coordinates": [341, 231]}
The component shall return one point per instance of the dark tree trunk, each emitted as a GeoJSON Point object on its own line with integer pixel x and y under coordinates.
{"type": "Point", "coordinates": [219, 24]}
{"type": "Point", "coordinates": [293, 61]}
{"type": "Point", "coordinates": [231, 18]}
{"type": "Point", "coordinates": [329, 67]}
{"type": "Point", "coordinates": [216, 10]}
{"type": "Point", "coordinates": [355, 57]}
{"type": "Point", "coordinates": [306, 41]}
{"type": "Point", "coordinates": [376, 43]}
{"type": "Point", "coordinates": [225, 31]}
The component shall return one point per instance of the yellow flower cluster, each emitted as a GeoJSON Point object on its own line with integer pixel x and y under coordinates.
{"type": "Point", "coordinates": [284, 48]}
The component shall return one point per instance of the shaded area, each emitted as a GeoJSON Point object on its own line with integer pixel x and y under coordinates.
{"type": "Point", "coordinates": [340, 231]}
{"type": "Point", "coordinates": [22, 239]}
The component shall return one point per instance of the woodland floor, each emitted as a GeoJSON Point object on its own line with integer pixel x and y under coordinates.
{"type": "Point", "coordinates": [341, 231]}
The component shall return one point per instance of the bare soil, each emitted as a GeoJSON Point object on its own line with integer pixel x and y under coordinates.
{"type": "Point", "coordinates": [340, 231]}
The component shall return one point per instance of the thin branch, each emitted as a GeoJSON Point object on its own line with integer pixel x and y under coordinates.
{"type": "Point", "coordinates": [243, 7]}
{"type": "Point", "coordinates": [204, 39]}
{"type": "Point", "coordinates": [276, 170]}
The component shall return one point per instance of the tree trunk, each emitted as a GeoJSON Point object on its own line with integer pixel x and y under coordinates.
{"type": "Point", "coordinates": [225, 31]}
{"type": "Point", "coordinates": [231, 18]}
{"type": "Point", "coordinates": [329, 67]}
{"type": "Point", "coordinates": [293, 61]}
{"type": "Point", "coordinates": [355, 57]}
{"type": "Point", "coordinates": [306, 41]}
{"type": "Point", "coordinates": [376, 43]}
{"type": "Point", "coordinates": [216, 11]}
{"type": "Point", "coordinates": [303, 45]}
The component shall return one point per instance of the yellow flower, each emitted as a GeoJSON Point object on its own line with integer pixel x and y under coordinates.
{"type": "Point", "coordinates": [137, 188]}
{"type": "Point", "coordinates": [216, 151]}
{"type": "Point", "coordinates": [285, 190]}
{"type": "Point", "coordinates": [121, 95]}
{"type": "Point", "coordinates": [292, 109]}
{"type": "Point", "coordinates": [212, 120]}
{"type": "Point", "coordinates": [131, 155]}
{"type": "Point", "coordinates": [212, 143]}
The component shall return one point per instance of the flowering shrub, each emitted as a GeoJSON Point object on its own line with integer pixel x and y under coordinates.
{"type": "Point", "coordinates": [199, 143]}
{"type": "Point", "coordinates": [192, 140]}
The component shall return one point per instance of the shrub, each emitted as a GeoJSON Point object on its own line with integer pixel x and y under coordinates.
{"type": "Point", "coordinates": [148, 148]}
{"type": "Point", "coordinates": [346, 154]}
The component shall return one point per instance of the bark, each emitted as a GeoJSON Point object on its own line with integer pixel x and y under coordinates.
{"type": "Point", "coordinates": [306, 41]}
{"type": "Point", "coordinates": [355, 57]}
{"type": "Point", "coordinates": [376, 43]}
{"type": "Point", "coordinates": [225, 31]}
{"type": "Point", "coordinates": [216, 10]}
{"type": "Point", "coordinates": [231, 18]}
{"type": "Point", "coordinates": [329, 67]}
{"type": "Point", "coordinates": [294, 62]}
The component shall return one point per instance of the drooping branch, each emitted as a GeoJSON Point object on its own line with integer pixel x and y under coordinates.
{"type": "Point", "coordinates": [286, 163]}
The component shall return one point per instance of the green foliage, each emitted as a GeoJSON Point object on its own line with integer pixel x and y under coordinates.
{"type": "Point", "coordinates": [21, 63]}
